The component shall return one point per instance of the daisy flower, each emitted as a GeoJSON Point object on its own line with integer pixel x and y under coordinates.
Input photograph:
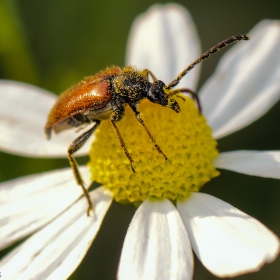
{"type": "Point", "coordinates": [173, 217]}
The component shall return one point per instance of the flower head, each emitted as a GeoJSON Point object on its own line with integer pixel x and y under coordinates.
{"type": "Point", "coordinates": [173, 218]}
{"type": "Point", "coordinates": [188, 144]}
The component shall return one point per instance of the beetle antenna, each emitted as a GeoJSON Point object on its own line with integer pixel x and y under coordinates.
{"type": "Point", "coordinates": [230, 40]}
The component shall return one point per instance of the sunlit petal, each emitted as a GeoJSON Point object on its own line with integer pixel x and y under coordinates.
{"type": "Point", "coordinates": [156, 245]}
{"type": "Point", "coordinates": [246, 83]}
{"type": "Point", "coordinates": [227, 241]}
{"type": "Point", "coordinates": [23, 114]}
{"type": "Point", "coordinates": [55, 251]}
{"type": "Point", "coordinates": [165, 41]}
{"type": "Point", "coordinates": [263, 164]}
{"type": "Point", "coordinates": [30, 202]}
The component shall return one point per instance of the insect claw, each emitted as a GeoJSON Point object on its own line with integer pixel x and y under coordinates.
{"type": "Point", "coordinates": [89, 210]}
{"type": "Point", "coordinates": [133, 170]}
{"type": "Point", "coordinates": [181, 97]}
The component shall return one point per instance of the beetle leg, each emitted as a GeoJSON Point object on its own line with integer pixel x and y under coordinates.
{"type": "Point", "coordinates": [148, 72]}
{"type": "Point", "coordinates": [192, 94]}
{"type": "Point", "coordinates": [137, 115]}
{"type": "Point", "coordinates": [75, 146]}
{"type": "Point", "coordinates": [115, 117]}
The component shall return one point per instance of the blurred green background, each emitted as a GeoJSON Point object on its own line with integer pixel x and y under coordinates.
{"type": "Point", "coordinates": [53, 44]}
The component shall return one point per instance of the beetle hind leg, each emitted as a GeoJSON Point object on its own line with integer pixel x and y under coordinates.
{"type": "Point", "coordinates": [75, 146]}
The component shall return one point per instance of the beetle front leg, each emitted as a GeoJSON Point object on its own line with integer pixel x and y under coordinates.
{"type": "Point", "coordinates": [148, 72]}
{"type": "Point", "coordinates": [137, 115]}
{"type": "Point", "coordinates": [75, 146]}
{"type": "Point", "coordinates": [115, 117]}
{"type": "Point", "coordinates": [192, 94]}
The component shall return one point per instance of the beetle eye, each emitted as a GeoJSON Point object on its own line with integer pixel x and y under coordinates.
{"type": "Point", "coordinates": [156, 93]}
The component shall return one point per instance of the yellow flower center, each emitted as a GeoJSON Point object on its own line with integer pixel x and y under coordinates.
{"type": "Point", "coordinates": [184, 138]}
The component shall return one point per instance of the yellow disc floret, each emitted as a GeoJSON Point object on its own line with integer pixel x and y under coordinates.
{"type": "Point", "coordinates": [184, 138]}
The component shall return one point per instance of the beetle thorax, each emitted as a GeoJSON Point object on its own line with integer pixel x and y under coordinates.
{"type": "Point", "coordinates": [131, 85]}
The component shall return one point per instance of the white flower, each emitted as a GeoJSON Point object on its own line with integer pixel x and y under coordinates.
{"type": "Point", "coordinates": [160, 238]}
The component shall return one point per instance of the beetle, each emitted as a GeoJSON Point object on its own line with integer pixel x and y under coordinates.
{"type": "Point", "coordinates": [104, 96]}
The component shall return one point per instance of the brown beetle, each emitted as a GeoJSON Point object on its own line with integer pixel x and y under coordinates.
{"type": "Point", "coordinates": [104, 96]}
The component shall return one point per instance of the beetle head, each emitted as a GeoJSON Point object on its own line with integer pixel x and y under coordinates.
{"type": "Point", "coordinates": [156, 94]}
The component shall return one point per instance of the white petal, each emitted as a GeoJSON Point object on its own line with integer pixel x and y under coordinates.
{"type": "Point", "coordinates": [55, 251]}
{"type": "Point", "coordinates": [227, 241]}
{"type": "Point", "coordinates": [156, 245]}
{"type": "Point", "coordinates": [28, 203]}
{"type": "Point", "coordinates": [246, 83]}
{"type": "Point", "coordinates": [165, 40]}
{"type": "Point", "coordinates": [263, 164]}
{"type": "Point", "coordinates": [23, 114]}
